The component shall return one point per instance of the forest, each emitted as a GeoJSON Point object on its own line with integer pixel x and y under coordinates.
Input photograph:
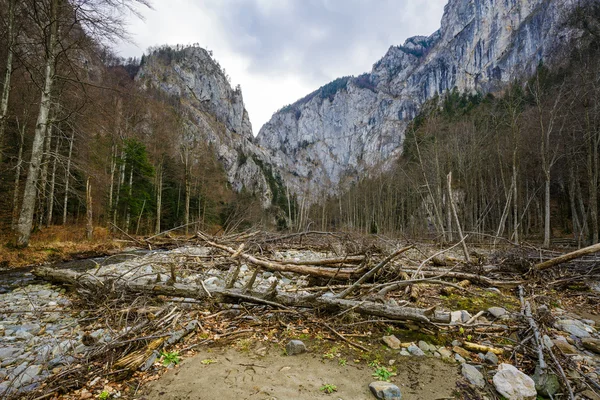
{"type": "Point", "coordinates": [82, 144]}
{"type": "Point", "coordinates": [518, 164]}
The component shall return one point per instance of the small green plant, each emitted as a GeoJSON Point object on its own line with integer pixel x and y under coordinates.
{"type": "Point", "coordinates": [383, 374]}
{"type": "Point", "coordinates": [244, 345]}
{"type": "Point", "coordinates": [331, 353]}
{"type": "Point", "coordinates": [389, 330]}
{"type": "Point", "coordinates": [170, 357]}
{"type": "Point", "coordinates": [328, 388]}
{"type": "Point", "coordinates": [104, 395]}
{"type": "Point", "coordinates": [208, 361]}
{"type": "Point", "coordinates": [374, 364]}
{"type": "Point", "coordinates": [342, 362]}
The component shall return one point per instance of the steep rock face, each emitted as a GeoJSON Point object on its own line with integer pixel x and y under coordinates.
{"type": "Point", "coordinates": [358, 124]}
{"type": "Point", "coordinates": [215, 112]}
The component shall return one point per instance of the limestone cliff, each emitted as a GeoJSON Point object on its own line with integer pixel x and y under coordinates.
{"type": "Point", "coordinates": [215, 113]}
{"type": "Point", "coordinates": [354, 125]}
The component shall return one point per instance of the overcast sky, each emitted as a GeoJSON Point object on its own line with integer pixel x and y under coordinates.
{"type": "Point", "coordinates": [281, 50]}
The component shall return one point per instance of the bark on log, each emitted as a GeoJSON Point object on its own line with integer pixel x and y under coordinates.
{"type": "Point", "coordinates": [464, 275]}
{"type": "Point", "coordinates": [323, 272]}
{"type": "Point", "coordinates": [276, 299]}
{"type": "Point", "coordinates": [568, 257]}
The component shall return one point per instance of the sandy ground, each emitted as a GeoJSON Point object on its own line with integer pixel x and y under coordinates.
{"type": "Point", "coordinates": [241, 375]}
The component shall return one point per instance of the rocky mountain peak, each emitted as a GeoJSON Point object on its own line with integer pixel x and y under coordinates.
{"type": "Point", "coordinates": [320, 143]}
{"type": "Point", "coordinates": [215, 112]}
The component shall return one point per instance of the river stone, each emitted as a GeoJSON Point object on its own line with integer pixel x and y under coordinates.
{"type": "Point", "coordinates": [458, 358]}
{"type": "Point", "coordinates": [415, 351]}
{"type": "Point", "coordinates": [491, 358]}
{"type": "Point", "coordinates": [591, 344]}
{"type": "Point", "coordinates": [497, 312]}
{"type": "Point", "coordinates": [423, 345]}
{"type": "Point", "coordinates": [9, 352]}
{"type": "Point", "coordinates": [473, 375]}
{"type": "Point", "coordinates": [456, 317]}
{"type": "Point", "coordinates": [546, 384]}
{"type": "Point", "coordinates": [513, 384]}
{"type": "Point", "coordinates": [565, 347]}
{"type": "Point", "coordinates": [574, 327]}
{"type": "Point", "coordinates": [392, 342]}
{"type": "Point", "coordinates": [385, 390]}
{"type": "Point", "coordinates": [27, 376]}
{"type": "Point", "coordinates": [295, 347]}
{"type": "Point", "coordinates": [444, 352]}
{"type": "Point", "coordinates": [23, 335]}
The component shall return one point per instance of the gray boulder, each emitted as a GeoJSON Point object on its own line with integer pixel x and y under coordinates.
{"type": "Point", "coordinates": [473, 375]}
{"type": "Point", "coordinates": [295, 347]}
{"type": "Point", "coordinates": [385, 390]}
{"type": "Point", "coordinates": [514, 384]}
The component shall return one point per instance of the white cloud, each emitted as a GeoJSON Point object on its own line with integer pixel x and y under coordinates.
{"type": "Point", "coordinates": [281, 50]}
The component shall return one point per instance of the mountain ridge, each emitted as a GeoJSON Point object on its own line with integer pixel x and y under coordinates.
{"type": "Point", "coordinates": [321, 143]}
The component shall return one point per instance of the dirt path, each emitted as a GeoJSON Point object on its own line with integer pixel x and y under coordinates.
{"type": "Point", "coordinates": [241, 375]}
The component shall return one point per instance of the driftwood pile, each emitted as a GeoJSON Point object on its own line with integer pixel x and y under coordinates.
{"type": "Point", "coordinates": [378, 279]}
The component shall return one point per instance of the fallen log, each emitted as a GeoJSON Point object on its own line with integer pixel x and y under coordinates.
{"type": "Point", "coordinates": [322, 272]}
{"type": "Point", "coordinates": [465, 275]}
{"type": "Point", "coordinates": [568, 257]}
{"type": "Point", "coordinates": [274, 299]}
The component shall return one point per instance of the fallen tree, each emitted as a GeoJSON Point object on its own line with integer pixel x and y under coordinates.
{"type": "Point", "coordinates": [306, 269]}
{"type": "Point", "coordinates": [271, 298]}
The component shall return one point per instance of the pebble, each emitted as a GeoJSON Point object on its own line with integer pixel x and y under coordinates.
{"type": "Point", "coordinates": [460, 359]}
{"type": "Point", "coordinates": [295, 347]}
{"type": "Point", "coordinates": [491, 358]}
{"type": "Point", "coordinates": [473, 375]}
{"type": "Point", "coordinates": [415, 350]}
{"type": "Point", "coordinates": [392, 342]}
{"type": "Point", "coordinates": [424, 346]}
{"type": "Point", "coordinates": [497, 312]}
{"type": "Point", "coordinates": [385, 390]}
{"type": "Point", "coordinates": [444, 352]}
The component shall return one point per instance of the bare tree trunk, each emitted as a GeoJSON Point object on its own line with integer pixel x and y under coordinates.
{"type": "Point", "coordinates": [44, 175]}
{"type": "Point", "coordinates": [53, 183]}
{"type": "Point", "coordinates": [515, 200]}
{"type": "Point", "coordinates": [159, 185]}
{"type": "Point", "coordinates": [592, 168]}
{"type": "Point", "coordinates": [113, 168]}
{"type": "Point", "coordinates": [120, 182]}
{"type": "Point", "coordinates": [67, 176]}
{"type": "Point", "coordinates": [547, 210]}
{"type": "Point", "coordinates": [89, 227]}
{"type": "Point", "coordinates": [19, 166]}
{"type": "Point", "coordinates": [458, 228]}
{"type": "Point", "coordinates": [187, 202]}
{"type": "Point", "coordinates": [8, 73]}
{"type": "Point", "coordinates": [130, 193]}
{"type": "Point", "coordinates": [28, 206]}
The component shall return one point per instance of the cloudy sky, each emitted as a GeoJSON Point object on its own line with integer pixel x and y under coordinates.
{"type": "Point", "coordinates": [281, 50]}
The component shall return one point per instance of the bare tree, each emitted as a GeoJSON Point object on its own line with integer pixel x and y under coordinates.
{"type": "Point", "coordinates": [58, 23]}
